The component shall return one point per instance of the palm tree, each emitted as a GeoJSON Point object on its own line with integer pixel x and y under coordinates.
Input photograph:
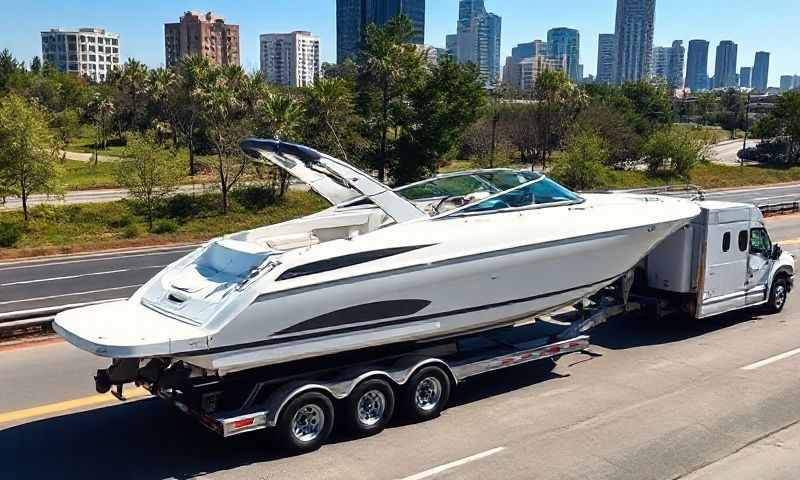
{"type": "Point", "coordinates": [187, 96]}
{"type": "Point", "coordinates": [162, 83]}
{"type": "Point", "coordinates": [131, 85]}
{"type": "Point", "coordinates": [331, 100]}
{"type": "Point", "coordinates": [281, 115]}
{"type": "Point", "coordinates": [102, 108]}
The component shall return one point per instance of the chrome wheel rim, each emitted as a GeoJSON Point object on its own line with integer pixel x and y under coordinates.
{"type": "Point", "coordinates": [428, 394]}
{"type": "Point", "coordinates": [308, 422]}
{"type": "Point", "coordinates": [371, 407]}
{"type": "Point", "coordinates": [780, 296]}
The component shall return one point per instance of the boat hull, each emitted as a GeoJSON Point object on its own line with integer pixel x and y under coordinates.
{"type": "Point", "coordinates": [431, 301]}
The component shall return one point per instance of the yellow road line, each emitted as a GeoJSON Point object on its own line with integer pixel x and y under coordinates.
{"type": "Point", "coordinates": [795, 241]}
{"type": "Point", "coordinates": [60, 407]}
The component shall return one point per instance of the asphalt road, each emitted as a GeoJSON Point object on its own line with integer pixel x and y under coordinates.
{"type": "Point", "coordinates": [728, 152]}
{"type": "Point", "coordinates": [654, 400]}
{"type": "Point", "coordinates": [91, 196]}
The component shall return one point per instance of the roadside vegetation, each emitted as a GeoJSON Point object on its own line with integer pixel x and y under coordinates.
{"type": "Point", "coordinates": [54, 229]}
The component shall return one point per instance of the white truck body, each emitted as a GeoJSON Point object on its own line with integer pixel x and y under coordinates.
{"type": "Point", "coordinates": [724, 259]}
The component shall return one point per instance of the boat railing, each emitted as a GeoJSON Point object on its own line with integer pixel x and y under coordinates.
{"type": "Point", "coordinates": [693, 192]}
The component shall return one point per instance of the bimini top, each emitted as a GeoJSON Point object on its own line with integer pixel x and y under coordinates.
{"type": "Point", "coordinates": [337, 181]}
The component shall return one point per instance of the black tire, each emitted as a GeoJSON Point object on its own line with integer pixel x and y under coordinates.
{"type": "Point", "coordinates": [311, 407]}
{"type": "Point", "coordinates": [778, 295]}
{"type": "Point", "coordinates": [369, 408]}
{"type": "Point", "coordinates": [432, 401]}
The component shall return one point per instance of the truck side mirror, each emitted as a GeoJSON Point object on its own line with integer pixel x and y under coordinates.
{"type": "Point", "coordinates": [776, 253]}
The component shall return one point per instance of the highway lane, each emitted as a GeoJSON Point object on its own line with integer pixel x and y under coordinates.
{"type": "Point", "coordinates": [36, 284]}
{"type": "Point", "coordinates": [656, 399]}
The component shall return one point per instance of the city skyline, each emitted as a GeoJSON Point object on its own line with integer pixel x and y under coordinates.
{"type": "Point", "coordinates": [144, 32]}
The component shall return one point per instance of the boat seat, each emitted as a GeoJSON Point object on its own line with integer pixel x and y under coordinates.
{"type": "Point", "coordinates": [292, 241]}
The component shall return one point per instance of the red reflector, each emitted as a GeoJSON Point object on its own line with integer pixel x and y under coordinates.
{"type": "Point", "coordinates": [507, 361]}
{"type": "Point", "coordinates": [243, 423]}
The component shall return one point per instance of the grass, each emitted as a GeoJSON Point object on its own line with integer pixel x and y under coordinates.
{"type": "Point", "coordinates": [710, 176]}
{"type": "Point", "coordinates": [84, 140]}
{"type": "Point", "coordinates": [81, 227]}
{"type": "Point", "coordinates": [86, 176]}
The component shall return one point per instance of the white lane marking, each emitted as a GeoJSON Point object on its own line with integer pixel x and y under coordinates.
{"type": "Point", "coordinates": [70, 277]}
{"type": "Point", "coordinates": [776, 358]}
{"type": "Point", "coordinates": [102, 259]}
{"type": "Point", "coordinates": [43, 311]}
{"type": "Point", "coordinates": [777, 196]}
{"type": "Point", "coordinates": [69, 294]}
{"type": "Point", "coordinates": [451, 465]}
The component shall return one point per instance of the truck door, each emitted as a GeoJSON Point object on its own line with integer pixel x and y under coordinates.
{"type": "Point", "coordinates": [726, 269]}
{"type": "Point", "coordinates": [759, 266]}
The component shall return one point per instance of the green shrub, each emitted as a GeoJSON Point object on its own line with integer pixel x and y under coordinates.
{"type": "Point", "coordinates": [121, 221]}
{"type": "Point", "coordinates": [254, 197]}
{"type": "Point", "coordinates": [10, 234]}
{"type": "Point", "coordinates": [582, 165]}
{"type": "Point", "coordinates": [132, 230]}
{"type": "Point", "coordinates": [165, 226]}
{"type": "Point", "coordinates": [671, 152]}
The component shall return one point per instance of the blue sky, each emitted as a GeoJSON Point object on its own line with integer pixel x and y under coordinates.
{"type": "Point", "coordinates": [140, 24]}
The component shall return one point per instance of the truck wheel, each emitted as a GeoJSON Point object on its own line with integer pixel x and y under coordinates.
{"type": "Point", "coordinates": [426, 394]}
{"type": "Point", "coordinates": [777, 295]}
{"type": "Point", "coordinates": [305, 423]}
{"type": "Point", "coordinates": [369, 407]}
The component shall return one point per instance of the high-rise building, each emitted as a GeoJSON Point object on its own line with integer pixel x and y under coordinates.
{"type": "Point", "coordinates": [202, 34]}
{"type": "Point", "coordinates": [290, 59]}
{"type": "Point", "coordinates": [451, 45]}
{"type": "Point", "coordinates": [606, 55]}
{"type": "Point", "coordinates": [745, 74]}
{"type": "Point", "coordinates": [352, 17]}
{"type": "Point", "coordinates": [479, 39]}
{"type": "Point", "coordinates": [566, 43]}
{"type": "Point", "coordinates": [634, 33]}
{"type": "Point", "coordinates": [89, 52]}
{"type": "Point", "coordinates": [518, 54]}
{"type": "Point", "coordinates": [761, 72]}
{"type": "Point", "coordinates": [667, 63]}
{"type": "Point", "coordinates": [522, 75]}
{"type": "Point", "coordinates": [697, 66]}
{"type": "Point", "coordinates": [677, 62]}
{"type": "Point", "coordinates": [790, 82]}
{"type": "Point", "coordinates": [725, 66]}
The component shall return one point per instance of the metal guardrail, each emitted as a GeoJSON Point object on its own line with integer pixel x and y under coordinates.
{"type": "Point", "coordinates": [780, 208]}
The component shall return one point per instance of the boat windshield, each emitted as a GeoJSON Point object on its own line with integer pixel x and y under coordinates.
{"type": "Point", "coordinates": [539, 192]}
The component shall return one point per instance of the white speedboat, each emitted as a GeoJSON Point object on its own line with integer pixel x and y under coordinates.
{"type": "Point", "coordinates": [447, 256]}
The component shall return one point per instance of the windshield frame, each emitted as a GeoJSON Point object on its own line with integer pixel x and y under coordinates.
{"type": "Point", "coordinates": [460, 211]}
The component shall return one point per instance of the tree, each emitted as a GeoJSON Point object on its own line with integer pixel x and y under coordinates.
{"type": "Point", "coordinates": [148, 171]}
{"type": "Point", "coordinates": [162, 83]}
{"type": "Point", "coordinates": [733, 115]}
{"type": "Point", "coordinates": [561, 101]}
{"type": "Point", "coordinates": [36, 65]}
{"type": "Point", "coordinates": [66, 123]}
{"type": "Point", "coordinates": [224, 112]}
{"type": "Point", "coordinates": [448, 99]}
{"type": "Point", "coordinates": [332, 120]}
{"type": "Point", "coordinates": [582, 166]}
{"type": "Point", "coordinates": [102, 109]}
{"type": "Point", "coordinates": [389, 66]}
{"type": "Point", "coordinates": [783, 122]}
{"type": "Point", "coordinates": [8, 67]}
{"type": "Point", "coordinates": [280, 116]}
{"type": "Point", "coordinates": [672, 151]}
{"type": "Point", "coordinates": [130, 85]}
{"type": "Point", "coordinates": [193, 72]}
{"type": "Point", "coordinates": [621, 139]}
{"type": "Point", "coordinates": [28, 151]}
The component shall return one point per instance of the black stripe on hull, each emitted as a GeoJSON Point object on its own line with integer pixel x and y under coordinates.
{"type": "Point", "coordinates": [390, 323]}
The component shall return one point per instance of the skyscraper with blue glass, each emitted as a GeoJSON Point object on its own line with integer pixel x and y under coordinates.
{"type": "Point", "coordinates": [352, 17]}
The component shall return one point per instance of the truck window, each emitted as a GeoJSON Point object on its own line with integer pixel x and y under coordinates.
{"type": "Point", "coordinates": [760, 244]}
{"type": "Point", "coordinates": [726, 242]}
{"type": "Point", "coordinates": [743, 241]}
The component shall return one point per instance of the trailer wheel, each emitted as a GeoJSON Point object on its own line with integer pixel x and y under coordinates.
{"type": "Point", "coordinates": [369, 407]}
{"type": "Point", "coordinates": [305, 423]}
{"type": "Point", "coordinates": [426, 394]}
{"type": "Point", "coordinates": [777, 295]}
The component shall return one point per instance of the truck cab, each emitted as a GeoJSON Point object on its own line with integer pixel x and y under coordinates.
{"type": "Point", "coordinates": [724, 260]}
